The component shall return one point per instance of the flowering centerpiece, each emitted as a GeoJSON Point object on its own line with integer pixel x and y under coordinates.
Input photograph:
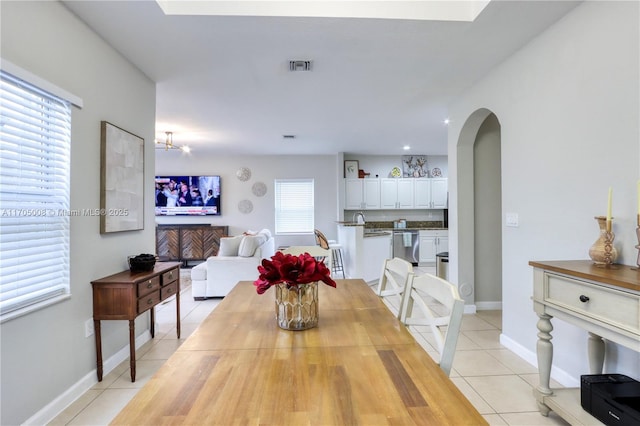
{"type": "Point", "coordinates": [295, 279]}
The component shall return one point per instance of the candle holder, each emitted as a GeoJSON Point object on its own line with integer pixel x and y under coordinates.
{"type": "Point", "coordinates": [638, 245]}
{"type": "Point", "coordinates": [602, 252]}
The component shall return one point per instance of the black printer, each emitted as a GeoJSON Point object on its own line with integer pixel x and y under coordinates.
{"type": "Point", "coordinates": [614, 399]}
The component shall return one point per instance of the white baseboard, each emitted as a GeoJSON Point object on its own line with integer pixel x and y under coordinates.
{"type": "Point", "coordinates": [560, 376]}
{"type": "Point", "coordinates": [489, 306]}
{"type": "Point", "coordinates": [469, 309]}
{"type": "Point", "coordinates": [55, 407]}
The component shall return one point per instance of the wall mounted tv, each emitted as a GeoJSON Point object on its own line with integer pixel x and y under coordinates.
{"type": "Point", "coordinates": [187, 195]}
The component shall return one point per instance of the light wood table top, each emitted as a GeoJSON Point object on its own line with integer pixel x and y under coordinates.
{"type": "Point", "coordinates": [360, 366]}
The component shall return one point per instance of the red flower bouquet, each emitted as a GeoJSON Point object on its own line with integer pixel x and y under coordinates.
{"type": "Point", "coordinates": [292, 271]}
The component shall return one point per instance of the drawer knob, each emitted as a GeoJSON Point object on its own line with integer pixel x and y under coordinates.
{"type": "Point", "coordinates": [583, 298]}
{"type": "Point", "coordinates": [150, 301]}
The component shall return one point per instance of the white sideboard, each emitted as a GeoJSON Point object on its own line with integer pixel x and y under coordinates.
{"type": "Point", "coordinates": [603, 301]}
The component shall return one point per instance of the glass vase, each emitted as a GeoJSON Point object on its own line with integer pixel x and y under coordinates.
{"type": "Point", "coordinates": [599, 252]}
{"type": "Point", "coordinates": [297, 306]}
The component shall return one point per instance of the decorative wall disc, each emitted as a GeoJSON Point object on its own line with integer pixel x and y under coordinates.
{"type": "Point", "coordinates": [245, 206]}
{"type": "Point", "coordinates": [243, 174]}
{"type": "Point", "coordinates": [436, 172]}
{"type": "Point", "coordinates": [259, 189]}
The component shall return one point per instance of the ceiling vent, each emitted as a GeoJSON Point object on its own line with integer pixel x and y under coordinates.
{"type": "Point", "coordinates": [299, 65]}
{"type": "Point", "coordinates": [288, 137]}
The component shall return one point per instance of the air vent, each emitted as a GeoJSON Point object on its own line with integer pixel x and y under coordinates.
{"type": "Point", "coordinates": [299, 65]}
{"type": "Point", "coordinates": [289, 137]}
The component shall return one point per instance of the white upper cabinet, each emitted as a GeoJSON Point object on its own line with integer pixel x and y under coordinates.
{"type": "Point", "coordinates": [396, 193]}
{"type": "Point", "coordinates": [362, 194]}
{"type": "Point", "coordinates": [430, 193]}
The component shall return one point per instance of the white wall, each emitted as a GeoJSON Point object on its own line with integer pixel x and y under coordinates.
{"type": "Point", "coordinates": [46, 352]}
{"type": "Point", "coordinates": [568, 108]}
{"type": "Point", "coordinates": [263, 169]}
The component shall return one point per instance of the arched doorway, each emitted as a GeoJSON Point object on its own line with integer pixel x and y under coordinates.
{"type": "Point", "coordinates": [480, 211]}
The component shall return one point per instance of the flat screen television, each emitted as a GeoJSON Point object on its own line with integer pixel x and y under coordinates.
{"type": "Point", "coordinates": [187, 195]}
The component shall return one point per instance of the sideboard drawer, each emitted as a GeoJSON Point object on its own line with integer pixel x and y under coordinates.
{"type": "Point", "coordinates": [148, 301]}
{"type": "Point", "coordinates": [170, 276]}
{"type": "Point", "coordinates": [147, 286]}
{"type": "Point", "coordinates": [168, 290]}
{"type": "Point", "coordinates": [604, 304]}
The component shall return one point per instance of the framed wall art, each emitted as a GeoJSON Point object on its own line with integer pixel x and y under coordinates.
{"type": "Point", "coordinates": [414, 166]}
{"type": "Point", "coordinates": [350, 169]}
{"type": "Point", "coordinates": [121, 180]}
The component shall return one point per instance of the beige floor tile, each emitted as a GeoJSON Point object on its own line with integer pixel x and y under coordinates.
{"type": "Point", "coordinates": [473, 396]}
{"type": "Point", "coordinates": [492, 317]}
{"type": "Point", "coordinates": [505, 394]}
{"type": "Point", "coordinates": [145, 369]}
{"type": "Point", "coordinates": [162, 350]}
{"type": "Point", "coordinates": [474, 322]}
{"type": "Point", "coordinates": [532, 419]}
{"type": "Point", "coordinates": [112, 376]}
{"type": "Point", "coordinates": [534, 380]}
{"type": "Point", "coordinates": [494, 419]}
{"type": "Point", "coordinates": [186, 330]}
{"type": "Point", "coordinates": [104, 408]}
{"type": "Point", "coordinates": [75, 408]}
{"type": "Point", "coordinates": [486, 339]}
{"type": "Point", "coordinates": [478, 363]}
{"type": "Point", "coordinates": [512, 361]}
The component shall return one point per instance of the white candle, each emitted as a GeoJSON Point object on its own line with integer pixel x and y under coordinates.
{"type": "Point", "coordinates": [609, 210]}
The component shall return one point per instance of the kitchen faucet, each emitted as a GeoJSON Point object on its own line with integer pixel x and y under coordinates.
{"type": "Point", "coordinates": [358, 217]}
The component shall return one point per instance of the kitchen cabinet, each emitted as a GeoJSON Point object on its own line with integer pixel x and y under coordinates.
{"type": "Point", "coordinates": [362, 194]}
{"type": "Point", "coordinates": [432, 242]}
{"type": "Point", "coordinates": [396, 193]}
{"type": "Point", "coordinates": [430, 193]}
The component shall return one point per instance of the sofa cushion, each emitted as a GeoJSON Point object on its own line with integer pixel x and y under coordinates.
{"type": "Point", "coordinates": [199, 272]}
{"type": "Point", "coordinates": [229, 246]}
{"type": "Point", "coordinates": [249, 244]}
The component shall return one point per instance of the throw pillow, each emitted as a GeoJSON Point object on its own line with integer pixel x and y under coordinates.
{"type": "Point", "coordinates": [229, 246]}
{"type": "Point", "coordinates": [249, 245]}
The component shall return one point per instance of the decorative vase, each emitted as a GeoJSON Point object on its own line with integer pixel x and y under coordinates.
{"type": "Point", "coordinates": [602, 252]}
{"type": "Point", "coordinates": [297, 306]}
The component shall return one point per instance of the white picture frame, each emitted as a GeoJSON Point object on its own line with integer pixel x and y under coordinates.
{"type": "Point", "coordinates": [351, 169]}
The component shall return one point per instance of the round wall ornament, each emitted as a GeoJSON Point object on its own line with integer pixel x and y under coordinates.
{"type": "Point", "coordinates": [243, 174]}
{"type": "Point", "coordinates": [245, 206]}
{"type": "Point", "coordinates": [259, 189]}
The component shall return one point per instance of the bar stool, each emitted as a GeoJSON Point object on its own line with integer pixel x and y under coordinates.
{"type": "Point", "coordinates": [336, 263]}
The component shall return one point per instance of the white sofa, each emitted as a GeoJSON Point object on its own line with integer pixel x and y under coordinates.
{"type": "Point", "coordinates": [237, 260]}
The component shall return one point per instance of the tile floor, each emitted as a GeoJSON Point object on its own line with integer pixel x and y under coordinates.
{"type": "Point", "coordinates": [496, 381]}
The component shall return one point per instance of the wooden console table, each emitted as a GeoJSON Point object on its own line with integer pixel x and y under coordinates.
{"type": "Point", "coordinates": [126, 295]}
{"type": "Point", "coordinates": [603, 301]}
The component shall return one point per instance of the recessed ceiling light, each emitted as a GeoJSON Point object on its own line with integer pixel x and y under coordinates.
{"type": "Point", "coordinates": [406, 147]}
{"type": "Point", "coordinates": [446, 121]}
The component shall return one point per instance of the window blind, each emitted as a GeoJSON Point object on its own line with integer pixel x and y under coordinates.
{"type": "Point", "coordinates": [294, 206]}
{"type": "Point", "coordinates": [35, 136]}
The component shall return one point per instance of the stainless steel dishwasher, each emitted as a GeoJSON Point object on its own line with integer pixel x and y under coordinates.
{"type": "Point", "coordinates": [406, 245]}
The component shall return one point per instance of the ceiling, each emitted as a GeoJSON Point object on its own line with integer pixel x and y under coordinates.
{"type": "Point", "coordinates": [224, 85]}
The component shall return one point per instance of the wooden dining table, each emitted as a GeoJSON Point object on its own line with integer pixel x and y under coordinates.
{"type": "Point", "coordinates": [359, 366]}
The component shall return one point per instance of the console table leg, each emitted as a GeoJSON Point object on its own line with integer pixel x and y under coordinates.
{"type": "Point", "coordinates": [178, 307]}
{"type": "Point", "coordinates": [98, 334]}
{"type": "Point", "coordinates": [544, 349]}
{"type": "Point", "coordinates": [152, 327]}
{"type": "Point", "coordinates": [132, 349]}
{"type": "Point", "coordinates": [595, 347]}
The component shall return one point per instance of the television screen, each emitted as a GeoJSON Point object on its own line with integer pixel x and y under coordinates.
{"type": "Point", "coordinates": [187, 195]}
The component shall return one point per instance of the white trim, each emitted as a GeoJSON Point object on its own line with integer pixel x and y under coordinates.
{"type": "Point", "coordinates": [470, 309]}
{"type": "Point", "coordinates": [32, 308]}
{"type": "Point", "coordinates": [560, 376]}
{"type": "Point", "coordinates": [68, 397]}
{"type": "Point", "coordinates": [489, 306]}
{"type": "Point", "coordinates": [40, 82]}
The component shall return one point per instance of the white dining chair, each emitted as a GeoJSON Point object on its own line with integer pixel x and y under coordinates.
{"type": "Point", "coordinates": [443, 317]}
{"type": "Point", "coordinates": [393, 279]}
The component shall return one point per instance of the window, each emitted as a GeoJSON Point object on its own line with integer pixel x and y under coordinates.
{"type": "Point", "coordinates": [35, 136]}
{"type": "Point", "coordinates": [294, 206]}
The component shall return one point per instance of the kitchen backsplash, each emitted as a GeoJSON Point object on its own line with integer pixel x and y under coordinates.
{"type": "Point", "coordinates": [422, 224]}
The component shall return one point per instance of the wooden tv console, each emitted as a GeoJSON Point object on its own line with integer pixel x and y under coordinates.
{"type": "Point", "coordinates": [188, 242]}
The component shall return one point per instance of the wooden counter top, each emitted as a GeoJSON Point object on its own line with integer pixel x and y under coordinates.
{"type": "Point", "coordinates": [359, 366]}
{"type": "Point", "coordinates": [619, 275]}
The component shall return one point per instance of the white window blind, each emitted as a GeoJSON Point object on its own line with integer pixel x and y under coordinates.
{"type": "Point", "coordinates": [294, 206]}
{"type": "Point", "coordinates": [35, 134]}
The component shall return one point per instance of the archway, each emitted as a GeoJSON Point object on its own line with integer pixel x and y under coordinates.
{"type": "Point", "coordinates": [479, 211]}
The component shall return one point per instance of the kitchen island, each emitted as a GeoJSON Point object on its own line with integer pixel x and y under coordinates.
{"type": "Point", "coordinates": [364, 250]}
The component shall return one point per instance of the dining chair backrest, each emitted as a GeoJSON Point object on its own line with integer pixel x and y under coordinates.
{"type": "Point", "coordinates": [321, 240]}
{"type": "Point", "coordinates": [393, 278]}
{"type": "Point", "coordinates": [439, 306]}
